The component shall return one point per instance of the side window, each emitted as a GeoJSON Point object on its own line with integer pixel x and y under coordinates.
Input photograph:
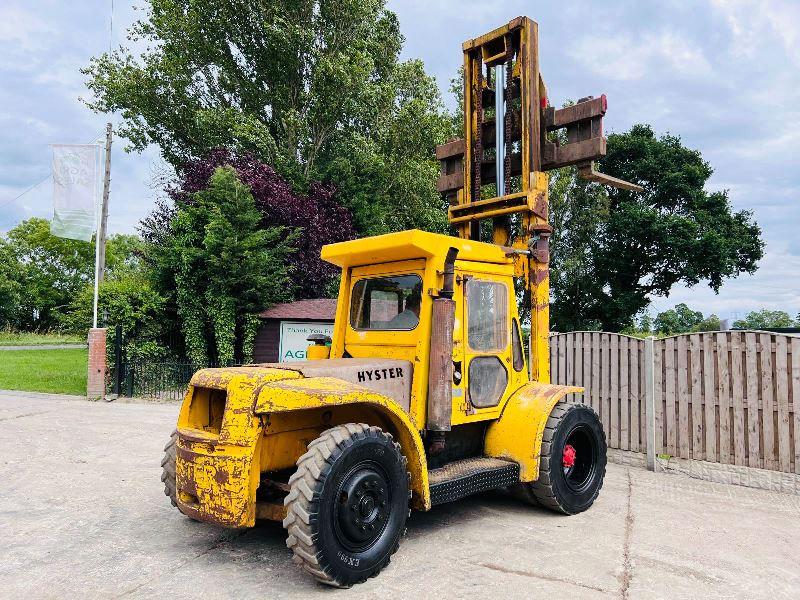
{"type": "Point", "coordinates": [390, 302]}
{"type": "Point", "coordinates": [516, 348]}
{"type": "Point", "coordinates": [487, 381]}
{"type": "Point", "coordinates": [487, 315]}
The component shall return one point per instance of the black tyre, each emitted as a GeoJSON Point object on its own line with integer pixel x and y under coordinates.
{"type": "Point", "coordinates": [573, 461]}
{"type": "Point", "coordinates": [347, 504]}
{"type": "Point", "coordinates": [168, 470]}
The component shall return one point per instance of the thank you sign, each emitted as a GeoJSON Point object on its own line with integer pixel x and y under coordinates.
{"type": "Point", "coordinates": [294, 340]}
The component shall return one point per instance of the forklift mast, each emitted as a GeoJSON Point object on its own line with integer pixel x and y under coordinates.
{"type": "Point", "coordinates": [498, 171]}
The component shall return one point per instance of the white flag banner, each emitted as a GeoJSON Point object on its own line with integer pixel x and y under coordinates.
{"type": "Point", "coordinates": [74, 191]}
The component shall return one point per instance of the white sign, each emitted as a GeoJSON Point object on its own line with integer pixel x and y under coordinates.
{"type": "Point", "coordinates": [74, 191]}
{"type": "Point", "coordinates": [294, 340]}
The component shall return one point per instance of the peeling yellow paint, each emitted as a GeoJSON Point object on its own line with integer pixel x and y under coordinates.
{"type": "Point", "coordinates": [517, 434]}
{"type": "Point", "coordinates": [217, 474]}
{"type": "Point", "coordinates": [330, 393]}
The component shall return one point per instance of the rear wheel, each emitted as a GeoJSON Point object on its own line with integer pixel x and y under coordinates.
{"type": "Point", "coordinates": [347, 504]}
{"type": "Point", "coordinates": [573, 461]}
{"type": "Point", "coordinates": [168, 469]}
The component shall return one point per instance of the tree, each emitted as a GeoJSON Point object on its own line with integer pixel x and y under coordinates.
{"type": "Point", "coordinates": [577, 212]}
{"type": "Point", "coordinates": [683, 319]}
{"type": "Point", "coordinates": [126, 299]}
{"type": "Point", "coordinates": [617, 249]}
{"type": "Point", "coordinates": [10, 287]}
{"type": "Point", "coordinates": [680, 319]}
{"type": "Point", "coordinates": [710, 323]}
{"type": "Point", "coordinates": [315, 217]}
{"type": "Point", "coordinates": [387, 178]}
{"type": "Point", "coordinates": [765, 319]}
{"type": "Point", "coordinates": [313, 87]}
{"type": "Point", "coordinates": [50, 271]}
{"type": "Point", "coordinates": [220, 268]}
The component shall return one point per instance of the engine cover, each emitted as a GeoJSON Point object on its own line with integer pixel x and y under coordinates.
{"type": "Point", "coordinates": [390, 377]}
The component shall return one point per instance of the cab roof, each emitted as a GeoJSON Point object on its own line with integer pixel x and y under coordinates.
{"type": "Point", "coordinates": [407, 245]}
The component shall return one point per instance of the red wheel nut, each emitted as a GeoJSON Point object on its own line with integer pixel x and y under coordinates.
{"type": "Point", "coordinates": [568, 459]}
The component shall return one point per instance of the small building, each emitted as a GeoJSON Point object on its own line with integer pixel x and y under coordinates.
{"type": "Point", "coordinates": [285, 327]}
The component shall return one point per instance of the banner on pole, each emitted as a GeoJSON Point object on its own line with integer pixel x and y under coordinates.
{"type": "Point", "coordinates": [74, 191]}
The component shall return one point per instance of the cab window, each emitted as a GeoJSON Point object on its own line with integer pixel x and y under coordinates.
{"type": "Point", "coordinates": [516, 346]}
{"type": "Point", "coordinates": [388, 303]}
{"type": "Point", "coordinates": [487, 315]}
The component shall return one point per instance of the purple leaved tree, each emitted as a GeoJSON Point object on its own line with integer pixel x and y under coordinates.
{"type": "Point", "coordinates": [319, 217]}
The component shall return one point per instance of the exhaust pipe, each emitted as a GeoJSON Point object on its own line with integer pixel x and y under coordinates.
{"type": "Point", "coordinates": [440, 371]}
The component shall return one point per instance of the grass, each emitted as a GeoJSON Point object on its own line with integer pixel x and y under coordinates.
{"type": "Point", "coordinates": [54, 371]}
{"type": "Point", "coordinates": [21, 338]}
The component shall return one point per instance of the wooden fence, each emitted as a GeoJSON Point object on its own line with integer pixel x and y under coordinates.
{"type": "Point", "coordinates": [725, 397]}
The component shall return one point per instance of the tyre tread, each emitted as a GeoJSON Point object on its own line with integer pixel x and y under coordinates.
{"type": "Point", "coordinates": [302, 502]}
{"type": "Point", "coordinates": [168, 470]}
{"type": "Point", "coordinates": [541, 492]}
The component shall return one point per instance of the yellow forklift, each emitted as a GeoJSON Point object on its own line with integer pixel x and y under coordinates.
{"type": "Point", "coordinates": [424, 394]}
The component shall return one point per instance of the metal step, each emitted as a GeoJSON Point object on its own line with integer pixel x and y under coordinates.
{"type": "Point", "coordinates": [470, 476]}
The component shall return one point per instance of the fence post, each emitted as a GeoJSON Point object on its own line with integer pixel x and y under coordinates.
{"type": "Point", "coordinates": [650, 401]}
{"type": "Point", "coordinates": [117, 390]}
{"type": "Point", "coordinates": [129, 379]}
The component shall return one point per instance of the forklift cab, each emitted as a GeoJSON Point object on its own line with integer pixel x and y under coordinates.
{"type": "Point", "coordinates": [385, 310]}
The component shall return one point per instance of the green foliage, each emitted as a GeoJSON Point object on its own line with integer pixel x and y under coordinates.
{"type": "Point", "coordinates": [765, 319]}
{"type": "Point", "coordinates": [710, 323]}
{"type": "Point", "coordinates": [313, 87]}
{"type": "Point", "coordinates": [680, 319]}
{"type": "Point", "coordinates": [42, 273]}
{"type": "Point", "coordinates": [646, 323]}
{"type": "Point", "coordinates": [127, 300]}
{"type": "Point", "coordinates": [683, 319]}
{"type": "Point", "coordinates": [578, 210]}
{"type": "Point", "coordinates": [674, 321]}
{"type": "Point", "coordinates": [387, 179]}
{"type": "Point", "coordinates": [10, 287]}
{"type": "Point", "coordinates": [219, 269]}
{"type": "Point", "coordinates": [48, 271]}
{"type": "Point", "coordinates": [613, 250]}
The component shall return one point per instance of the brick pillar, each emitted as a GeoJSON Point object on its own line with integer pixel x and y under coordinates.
{"type": "Point", "coordinates": [96, 381]}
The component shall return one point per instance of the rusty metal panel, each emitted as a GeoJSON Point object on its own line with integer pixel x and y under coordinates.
{"type": "Point", "coordinates": [575, 153]}
{"type": "Point", "coordinates": [440, 374]}
{"type": "Point", "coordinates": [390, 377]}
{"type": "Point", "coordinates": [299, 395]}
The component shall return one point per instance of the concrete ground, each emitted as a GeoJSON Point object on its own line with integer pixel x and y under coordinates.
{"type": "Point", "coordinates": [82, 515]}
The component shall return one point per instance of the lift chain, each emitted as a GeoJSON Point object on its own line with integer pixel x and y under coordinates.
{"type": "Point", "coordinates": [478, 157]}
{"type": "Point", "coordinates": [507, 116]}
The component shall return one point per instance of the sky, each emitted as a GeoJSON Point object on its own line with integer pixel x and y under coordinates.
{"type": "Point", "coordinates": [724, 75]}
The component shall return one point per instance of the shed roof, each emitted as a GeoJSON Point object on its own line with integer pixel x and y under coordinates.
{"type": "Point", "coordinates": [318, 309]}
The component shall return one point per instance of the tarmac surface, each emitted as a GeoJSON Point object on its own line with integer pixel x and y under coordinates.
{"type": "Point", "coordinates": [83, 515]}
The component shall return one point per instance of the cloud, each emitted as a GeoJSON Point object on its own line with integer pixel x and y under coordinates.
{"type": "Point", "coordinates": [22, 28]}
{"type": "Point", "coordinates": [43, 45]}
{"type": "Point", "coordinates": [751, 22]}
{"type": "Point", "coordinates": [724, 75]}
{"type": "Point", "coordinates": [773, 286]}
{"type": "Point", "coordinates": [627, 57]}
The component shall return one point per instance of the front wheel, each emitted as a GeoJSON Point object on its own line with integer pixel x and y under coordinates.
{"type": "Point", "coordinates": [572, 463]}
{"type": "Point", "coordinates": [168, 469]}
{"type": "Point", "coordinates": [347, 504]}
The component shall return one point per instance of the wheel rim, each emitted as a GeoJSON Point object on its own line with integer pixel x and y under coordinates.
{"type": "Point", "coordinates": [363, 506]}
{"type": "Point", "coordinates": [579, 458]}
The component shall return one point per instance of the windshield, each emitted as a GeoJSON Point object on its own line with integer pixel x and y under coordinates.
{"type": "Point", "coordinates": [386, 302]}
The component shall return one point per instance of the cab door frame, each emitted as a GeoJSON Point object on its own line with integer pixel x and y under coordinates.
{"type": "Point", "coordinates": [463, 354]}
